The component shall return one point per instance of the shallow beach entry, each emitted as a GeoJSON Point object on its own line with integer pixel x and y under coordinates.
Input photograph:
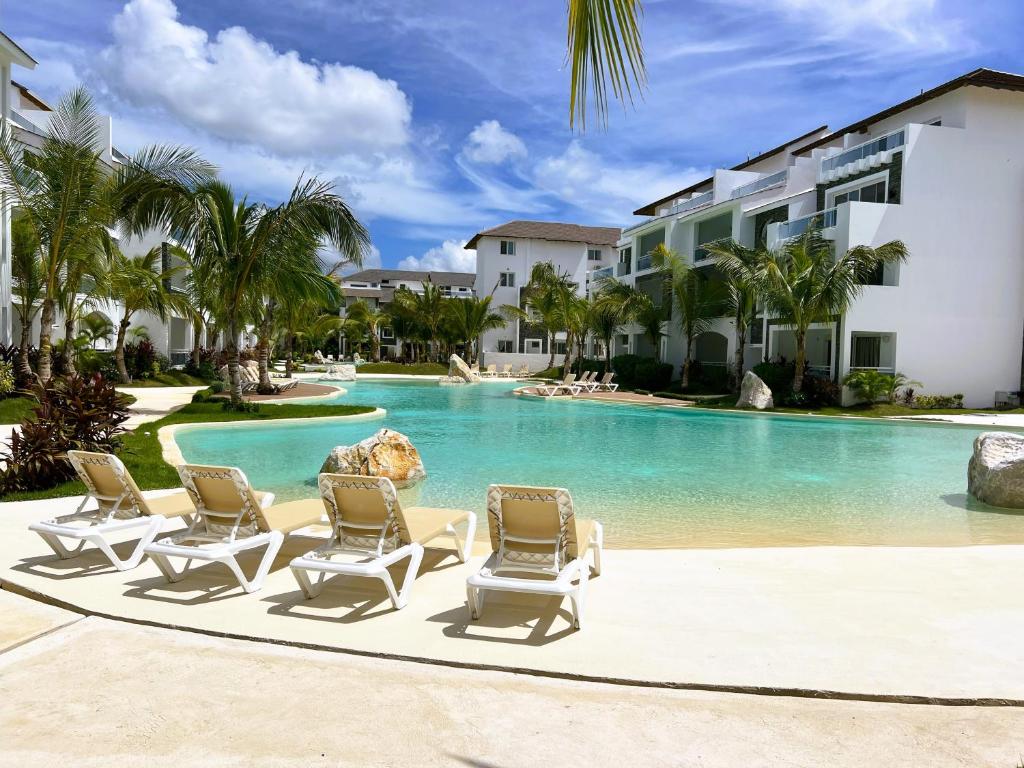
{"type": "Point", "coordinates": [656, 477]}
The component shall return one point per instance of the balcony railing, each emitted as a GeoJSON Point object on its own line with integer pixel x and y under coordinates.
{"type": "Point", "coordinates": [23, 122]}
{"type": "Point", "coordinates": [643, 262]}
{"type": "Point", "coordinates": [694, 202]}
{"type": "Point", "coordinates": [602, 274]}
{"type": "Point", "coordinates": [796, 227]}
{"type": "Point", "coordinates": [758, 185]}
{"type": "Point", "coordinates": [700, 253]}
{"type": "Point", "coordinates": [865, 150]}
{"type": "Point", "coordinates": [623, 268]}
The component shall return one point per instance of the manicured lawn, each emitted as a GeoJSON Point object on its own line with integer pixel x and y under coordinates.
{"type": "Point", "coordinates": [141, 451]}
{"type": "Point", "coordinates": [168, 379]}
{"type": "Point", "coordinates": [14, 409]}
{"type": "Point", "coordinates": [412, 369]}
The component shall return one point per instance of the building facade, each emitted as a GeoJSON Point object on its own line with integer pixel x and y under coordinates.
{"type": "Point", "coordinates": [944, 173]}
{"type": "Point", "coordinates": [505, 257]}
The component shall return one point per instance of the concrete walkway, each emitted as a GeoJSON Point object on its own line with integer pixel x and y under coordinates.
{"type": "Point", "coordinates": [92, 692]}
{"type": "Point", "coordinates": [152, 403]}
{"type": "Point", "coordinates": [904, 623]}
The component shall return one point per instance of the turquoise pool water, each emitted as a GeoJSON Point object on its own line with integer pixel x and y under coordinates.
{"type": "Point", "coordinates": [655, 477]}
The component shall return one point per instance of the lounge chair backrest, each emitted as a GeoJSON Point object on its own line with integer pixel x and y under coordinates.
{"type": "Point", "coordinates": [507, 367]}
{"type": "Point", "coordinates": [492, 368]}
{"type": "Point", "coordinates": [109, 482]}
{"type": "Point", "coordinates": [364, 512]}
{"type": "Point", "coordinates": [531, 528]}
{"type": "Point", "coordinates": [588, 377]}
{"type": "Point", "coordinates": [607, 378]}
{"type": "Point", "coordinates": [569, 378]}
{"type": "Point", "coordinates": [226, 503]}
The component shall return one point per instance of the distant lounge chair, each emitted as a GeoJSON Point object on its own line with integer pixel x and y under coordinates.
{"type": "Point", "coordinates": [524, 370]}
{"type": "Point", "coordinates": [492, 370]}
{"type": "Point", "coordinates": [566, 386]}
{"type": "Point", "coordinates": [535, 531]}
{"type": "Point", "coordinates": [231, 518]}
{"type": "Point", "coordinates": [605, 384]}
{"type": "Point", "coordinates": [120, 507]}
{"type": "Point", "coordinates": [506, 371]}
{"type": "Point", "coordinates": [587, 381]}
{"type": "Point", "coordinates": [371, 527]}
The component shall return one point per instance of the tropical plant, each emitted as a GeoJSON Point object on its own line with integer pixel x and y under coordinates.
{"type": "Point", "coordinates": [605, 320]}
{"type": "Point", "coordinates": [869, 384]}
{"type": "Point", "coordinates": [900, 384]}
{"type": "Point", "coordinates": [243, 247]}
{"type": "Point", "coordinates": [94, 328]}
{"type": "Point", "coordinates": [426, 311]}
{"type": "Point", "coordinates": [738, 265]}
{"type": "Point", "coordinates": [69, 197]}
{"type": "Point", "coordinates": [470, 318]}
{"type": "Point", "coordinates": [631, 305]}
{"type": "Point", "coordinates": [604, 46]}
{"type": "Point", "coordinates": [370, 320]}
{"type": "Point", "coordinates": [7, 382]}
{"type": "Point", "coordinates": [28, 286]}
{"type": "Point", "coordinates": [77, 413]}
{"type": "Point", "coordinates": [803, 282]}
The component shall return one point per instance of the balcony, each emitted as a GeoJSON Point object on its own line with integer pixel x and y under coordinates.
{"type": "Point", "coordinates": [24, 123]}
{"type": "Point", "coordinates": [643, 262]}
{"type": "Point", "coordinates": [698, 201]}
{"type": "Point", "coordinates": [623, 268]}
{"type": "Point", "coordinates": [605, 273]}
{"type": "Point", "coordinates": [759, 185]}
{"type": "Point", "coordinates": [796, 227]}
{"type": "Point", "coordinates": [863, 157]}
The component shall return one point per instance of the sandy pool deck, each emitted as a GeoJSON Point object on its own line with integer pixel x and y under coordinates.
{"type": "Point", "coordinates": [904, 624]}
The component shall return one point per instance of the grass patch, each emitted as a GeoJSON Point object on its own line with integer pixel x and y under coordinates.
{"type": "Point", "coordinates": [13, 410]}
{"type": "Point", "coordinates": [141, 451]}
{"type": "Point", "coordinates": [874, 411]}
{"type": "Point", "coordinates": [168, 379]}
{"type": "Point", "coordinates": [410, 369]}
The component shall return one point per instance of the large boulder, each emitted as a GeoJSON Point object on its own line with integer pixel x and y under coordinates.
{"type": "Point", "coordinates": [385, 454]}
{"type": "Point", "coordinates": [995, 474]}
{"type": "Point", "coordinates": [340, 372]}
{"type": "Point", "coordinates": [459, 371]}
{"type": "Point", "coordinates": [318, 357]}
{"type": "Point", "coordinates": [754, 393]}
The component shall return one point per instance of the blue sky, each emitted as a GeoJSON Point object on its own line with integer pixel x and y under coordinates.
{"type": "Point", "coordinates": [438, 119]}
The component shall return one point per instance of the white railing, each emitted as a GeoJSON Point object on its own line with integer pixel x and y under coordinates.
{"type": "Point", "coordinates": [694, 202]}
{"type": "Point", "coordinates": [880, 368]}
{"type": "Point", "coordinates": [23, 122]}
{"type": "Point", "coordinates": [603, 274]}
{"type": "Point", "coordinates": [759, 185]}
{"type": "Point", "coordinates": [795, 227]}
{"type": "Point", "coordinates": [867, 149]}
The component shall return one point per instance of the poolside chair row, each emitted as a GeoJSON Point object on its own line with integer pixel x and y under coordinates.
{"type": "Point", "coordinates": [533, 531]}
{"type": "Point", "coordinates": [506, 371]}
{"type": "Point", "coordinates": [251, 381]}
{"type": "Point", "coordinates": [570, 386]}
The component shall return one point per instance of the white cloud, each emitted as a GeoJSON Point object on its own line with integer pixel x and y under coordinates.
{"type": "Point", "coordinates": [450, 256]}
{"type": "Point", "coordinates": [490, 143]}
{"type": "Point", "coordinates": [240, 88]}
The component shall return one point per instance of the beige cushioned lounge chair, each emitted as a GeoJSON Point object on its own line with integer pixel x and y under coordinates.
{"type": "Point", "coordinates": [566, 387]}
{"type": "Point", "coordinates": [539, 546]}
{"type": "Point", "coordinates": [230, 518]}
{"type": "Point", "coordinates": [370, 526]}
{"type": "Point", "coordinates": [120, 507]}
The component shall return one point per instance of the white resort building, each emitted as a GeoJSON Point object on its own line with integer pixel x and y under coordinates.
{"type": "Point", "coordinates": [505, 256]}
{"type": "Point", "coordinates": [943, 172]}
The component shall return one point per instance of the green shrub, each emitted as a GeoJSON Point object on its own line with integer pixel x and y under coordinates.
{"type": "Point", "coordinates": [778, 376]}
{"type": "Point", "coordinates": [7, 385]}
{"type": "Point", "coordinates": [928, 402]}
{"type": "Point", "coordinates": [78, 413]}
{"type": "Point", "coordinates": [633, 372]}
{"type": "Point", "coordinates": [242, 406]}
{"type": "Point", "coordinates": [870, 385]}
{"type": "Point", "coordinates": [217, 386]}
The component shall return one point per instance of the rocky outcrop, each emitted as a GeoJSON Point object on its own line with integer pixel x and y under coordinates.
{"type": "Point", "coordinates": [385, 454]}
{"type": "Point", "coordinates": [995, 474]}
{"type": "Point", "coordinates": [459, 372]}
{"type": "Point", "coordinates": [342, 372]}
{"type": "Point", "coordinates": [318, 357]}
{"type": "Point", "coordinates": [754, 393]}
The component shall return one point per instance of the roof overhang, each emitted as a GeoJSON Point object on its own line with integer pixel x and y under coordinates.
{"type": "Point", "coordinates": [14, 53]}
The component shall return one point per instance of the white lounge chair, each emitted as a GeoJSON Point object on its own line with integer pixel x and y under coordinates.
{"type": "Point", "coordinates": [231, 518]}
{"type": "Point", "coordinates": [490, 372]}
{"type": "Point", "coordinates": [506, 371]}
{"type": "Point", "coordinates": [374, 532]}
{"type": "Point", "coordinates": [586, 382]}
{"type": "Point", "coordinates": [605, 384]}
{"type": "Point", "coordinates": [524, 370]}
{"type": "Point", "coordinates": [535, 532]}
{"type": "Point", "coordinates": [120, 507]}
{"type": "Point", "coordinates": [566, 387]}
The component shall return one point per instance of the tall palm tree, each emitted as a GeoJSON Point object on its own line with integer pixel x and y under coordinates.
{"type": "Point", "coordinates": [547, 297]}
{"type": "Point", "coordinates": [138, 284]}
{"type": "Point", "coordinates": [428, 310]}
{"type": "Point", "coordinates": [28, 287]}
{"type": "Point", "coordinates": [803, 283]}
{"type": "Point", "coordinates": [632, 305]}
{"type": "Point", "coordinates": [471, 318]}
{"type": "Point", "coordinates": [84, 275]}
{"type": "Point", "coordinates": [69, 196]}
{"type": "Point", "coordinates": [370, 320]}
{"type": "Point", "coordinates": [242, 247]}
{"type": "Point", "coordinates": [95, 327]}
{"type": "Point", "coordinates": [604, 47]}
{"type": "Point", "coordinates": [738, 264]}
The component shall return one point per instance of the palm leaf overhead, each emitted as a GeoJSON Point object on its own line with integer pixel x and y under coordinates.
{"type": "Point", "coordinates": [605, 50]}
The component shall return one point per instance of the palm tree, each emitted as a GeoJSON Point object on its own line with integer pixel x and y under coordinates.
{"type": "Point", "coordinates": [803, 283]}
{"type": "Point", "coordinates": [604, 46]}
{"type": "Point", "coordinates": [84, 274]}
{"type": "Point", "coordinates": [243, 247]}
{"type": "Point", "coordinates": [428, 310]}
{"type": "Point", "coordinates": [547, 296]}
{"type": "Point", "coordinates": [605, 322]}
{"type": "Point", "coordinates": [738, 264]}
{"type": "Point", "coordinates": [28, 286]}
{"type": "Point", "coordinates": [370, 320]}
{"type": "Point", "coordinates": [69, 197]}
{"type": "Point", "coordinates": [138, 284]}
{"type": "Point", "coordinates": [95, 327]}
{"type": "Point", "coordinates": [471, 318]}
{"type": "Point", "coordinates": [633, 305]}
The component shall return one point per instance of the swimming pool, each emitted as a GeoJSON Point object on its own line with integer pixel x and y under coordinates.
{"type": "Point", "coordinates": [656, 477]}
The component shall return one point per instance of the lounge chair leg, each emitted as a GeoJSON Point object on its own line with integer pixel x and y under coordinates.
{"type": "Point", "coordinates": [475, 597]}
{"type": "Point", "coordinates": [170, 573]}
{"type": "Point", "coordinates": [58, 547]}
{"type": "Point", "coordinates": [253, 585]}
{"type": "Point", "coordinates": [151, 532]}
{"type": "Point", "coordinates": [465, 547]}
{"type": "Point", "coordinates": [578, 598]}
{"type": "Point", "coordinates": [400, 599]}
{"type": "Point", "coordinates": [598, 547]}
{"type": "Point", "coordinates": [309, 588]}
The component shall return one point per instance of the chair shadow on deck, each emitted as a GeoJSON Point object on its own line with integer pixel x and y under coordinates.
{"type": "Point", "coordinates": [90, 561]}
{"type": "Point", "coordinates": [535, 613]}
{"type": "Point", "coordinates": [364, 598]}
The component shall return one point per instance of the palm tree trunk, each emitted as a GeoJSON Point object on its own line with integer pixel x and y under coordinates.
{"type": "Point", "coordinates": [289, 353]}
{"type": "Point", "coordinates": [45, 371]}
{"type": "Point", "coordinates": [801, 357]}
{"type": "Point", "coordinates": [234, 376]}
{"type": "Point", "coordinates": [69, 346]}
{"type": "Point", "coordinates": [375, 346]}
{"type": "Point", "coordinates": [263, 346]}
{"type": "Point", "coordinates": [122, 368]}
{"type": "Point", "coordinates": [741, 341]}
{"type": "Point", "coordinates": [551, 349]}
{"type": "Point", "coordinates": [197, 346]}
{"type": "Point", "coordinates": [608, 354]}
{"type": "Point", "coordinates": [24, 367]}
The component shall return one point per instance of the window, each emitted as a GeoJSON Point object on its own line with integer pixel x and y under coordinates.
{"type": "Point", "coordinates": [711, 231]}
{"type": "Point", "coordinates": [508, 247]}
{"type": "Point", "coordinates": [387, 333]}
{"type": "Point", "coordinates": [507, 280]}
{"type": "Point", "coordinates": [867, 352]}
{"type": "Point", "coordinates": [651, 240]}
{"type": "Point", "coordinates": [624, 339]}
{"type": "Point", "coordinates": [533, 346]}
{"type": "Point", "coordinates": [625, 255]}
{"type": "Point", "coordinates": [870, 193]}
{"type": "Point", "coordinates": [559, 347]}
{"type": "Point", "coordinates": [594, 254]}
{"type": "Point", "coordinates": [505, 345]}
